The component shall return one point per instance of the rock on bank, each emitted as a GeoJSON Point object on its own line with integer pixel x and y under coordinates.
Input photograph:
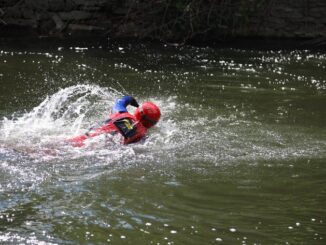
{"type": "Point", "coordinates": [168, 20]}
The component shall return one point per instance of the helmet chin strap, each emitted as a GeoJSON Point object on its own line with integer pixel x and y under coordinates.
{"type": "Point", "coordinates": [146, 118]}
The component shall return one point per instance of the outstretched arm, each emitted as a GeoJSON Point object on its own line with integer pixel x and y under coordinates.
{"type": "Point", "coordinates": [122, 103]}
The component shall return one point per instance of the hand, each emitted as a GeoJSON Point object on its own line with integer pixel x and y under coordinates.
{"type": "Point", "coordinates": [134, 102]}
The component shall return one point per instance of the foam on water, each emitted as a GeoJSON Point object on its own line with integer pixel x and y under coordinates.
{"type": "Point", "coordinates": [33, 142]}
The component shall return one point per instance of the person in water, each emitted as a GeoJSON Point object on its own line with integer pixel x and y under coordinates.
{"type": "Point", "coordinates": [132, 128]}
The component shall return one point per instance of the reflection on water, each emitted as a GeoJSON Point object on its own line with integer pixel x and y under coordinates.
{"type": "Point", "coordinates": [238, 157]}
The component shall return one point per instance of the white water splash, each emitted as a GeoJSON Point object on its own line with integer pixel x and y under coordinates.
{"type": "Point", "coordinates": [31, 143]}
{"type": "Point", "coordinates": [62, 113]}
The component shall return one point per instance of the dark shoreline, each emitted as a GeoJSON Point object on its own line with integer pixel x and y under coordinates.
{"type": "Point", "coordinates": [27, 38]}
{"type": "Point", "coordinates": [258, 24]}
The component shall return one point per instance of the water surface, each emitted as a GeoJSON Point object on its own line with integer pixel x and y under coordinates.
{"type": "Point", "coordinates": [238, 157]}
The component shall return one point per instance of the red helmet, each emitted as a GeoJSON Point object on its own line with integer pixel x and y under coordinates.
{"type": "Point", "coordinates": [148, 114]}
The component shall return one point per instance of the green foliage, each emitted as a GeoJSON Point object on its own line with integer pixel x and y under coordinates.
{"type": "Point", "coordinates": [181, 20]}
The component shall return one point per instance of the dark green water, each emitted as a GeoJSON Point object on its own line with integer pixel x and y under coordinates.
{"type": "Point", "coordinates": [238, 157]}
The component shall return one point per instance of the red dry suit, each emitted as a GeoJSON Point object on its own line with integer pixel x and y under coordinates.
{"type": "Point", "coordinates": [122, 123]}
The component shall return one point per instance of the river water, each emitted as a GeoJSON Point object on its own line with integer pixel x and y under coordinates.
{"type": "Point", "coordinates": [238, 157]}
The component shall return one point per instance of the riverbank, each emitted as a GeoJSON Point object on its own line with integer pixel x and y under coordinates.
{"type": "Point", "coordinates": [176, 22]}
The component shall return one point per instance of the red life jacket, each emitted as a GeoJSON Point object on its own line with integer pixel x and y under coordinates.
{"type": "Point", "coordinates": [123, 123]}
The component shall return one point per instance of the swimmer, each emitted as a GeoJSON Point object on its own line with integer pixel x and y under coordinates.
{"type": "Point", "coordinates": [132, 128]}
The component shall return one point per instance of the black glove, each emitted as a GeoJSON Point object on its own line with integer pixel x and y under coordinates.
{"type": "Point", "coordinates": [134, 102]}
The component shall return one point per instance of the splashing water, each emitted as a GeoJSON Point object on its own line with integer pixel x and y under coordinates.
{"type": "Point", "coordinates": [71, 111]}
{"type": "Point", "coordinates": [33, 141]}
{"type": "Point", "coordinates": [37, 137]}
{"type": "Point", "coordinates": [61, 113]}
